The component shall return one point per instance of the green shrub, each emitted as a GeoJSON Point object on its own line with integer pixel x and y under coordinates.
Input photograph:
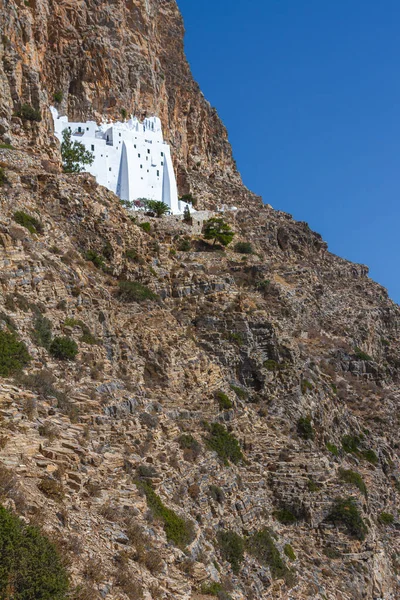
{"type": "Point", "coordinates": [224, 401]}
{"type": "Point", "coordinates": [263, 285]}
{"type": "Point", "coordinates": [232, 547]}
{"type": "Point", "coordinates": [345, 512]}
{"type": "Point", "coordinates": [351, 443]}
{"type": "Point", "coordinates": [271, 365]}
{"type": "Point", "coordinates": [331, 552]}
{"type": "Point", "coordinates": [30, 568]}
{"type": "Point", "coordinates": [236, 338]}
{"type": "Point", "coordinates": [6, 147]}
{"type": "Point", "coordinates": [262, 547]}
{"type": "Point", "coordinates": [240, 393]}
{"type": "Point", "coordinates": [133, 291]}
{"type": "Point", "coordinates": [14, 355]}
{"type": "Point", "coordinates": [386, 518]}
{"type": "Point", "coordinates": [224, 443]}
{"type": "Point", "coordinates": [184, 245]}
{"type": "Point", "coordinates": [370, 456]}
{"type": "Point", "coordinates": [288, 550]}
{"type": "Point", "coordinates": [32, 224]}
{"type": "Point", "coordinates": [131, 254]}
{"type": "Point", "coordinates": [3, 177]}
{"type": "Point", "coordinates": [145, 226]}
{"type": "Point", "coordinates": [361, 355]}
{"type": "Point", "coordinates": [332, 448]}
{"type": "Point", "coordinates": [216, 493]}
{"type": "Point", "coordinates": [285, 516]}
{"type": "Point", "coordinates": [305, 429]}
{"type": "Point", "coordinates": [313, 486]}
{"type": "Point", "coordinates": [349, 476]}
{"type": "Point", "coordinates": [211, 589]}
{"type": "Point", "coordinates": [188, 442]}
{"type": "Point", "coordinates": [63, 348]}
{"type": "Point", "coordinates": [28, 113]}
{"type": "Point", "coordinates": [58, 97]}
{"type": "Point", "coordinates": [177, 530]}
{"type": "Point", "coordinates": [243, 248]}
{"type": "Point", "coordinates": [42, 331]}
{"type": "Point", "coordinates": [95, 258]}
{"type": "Point", "coordinates": [306, 386]}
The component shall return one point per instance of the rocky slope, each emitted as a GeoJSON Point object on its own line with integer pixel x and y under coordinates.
{"type": "Point", "coordinates": [227, 427]}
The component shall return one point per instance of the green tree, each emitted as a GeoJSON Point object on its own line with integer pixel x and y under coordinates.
{"type": "Point", "coordinates": [187, 217]}
{"type": "Point", "coordinates": [158, 207]}
{"type": "Point", "coordinates": [74, 154]}
{"type": "Point", "coordinates": [216, 229]}
{"type": "Point", "coordinates": [30, 567]}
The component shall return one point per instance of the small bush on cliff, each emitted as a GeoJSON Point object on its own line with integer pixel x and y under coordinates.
{"type": "Point", "coordinates": [345, 512]}
{"type": "Point", "coordinates": [145, 226]}
{"type": "Point", "coordinates": [28, 113]}
{"type": "Point", "coordinates": [63, 348]}
{"type": "Point", "coordinates": [133, 291]}
{"type": "Point", "coordinates": [285, 516]}
{"type": "Point", "coordinates": [243, 248]}
{"type": "Point", "coordinates": [74, 154]}
{"type": "Point", "coordinates": [231, 546]}
{"type": "Point", "coordinates": [223, 400]}
{"type": "Point", "coordinates": [354, 478]}
{"type": "Point", "coordinates": [58, 97]}
{"type": "Point", "coordinates": [305, 429]}
{"type": "Point", "coordinates": [216, 229]}
{"type": "Point", "coordinates": [361, 355]}
{"type": "Point", "coordinates": [95, 258]}
{"type": "Point", "coordinates": [30, 223]}
{"type": "Point", "coordinates": [3, 177]}
{"type": "Point", "coordinates": [261, 545]}
{"type": "Point", "coordinates": [386, 518]}
{"type": "Point", "coordinates": [177, 530]}
{"type": "Point", "coordinates": [30, 567]}
{"type": "Point", "coordinates": [14, 355]}
{"type": "Point", "coordinates": [41, 332]}
{"type": "Point", "coordinates": [224, 443]}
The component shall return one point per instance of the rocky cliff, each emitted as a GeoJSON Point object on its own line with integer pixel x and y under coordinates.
{"type": "Point", "coordinates": [105, 59]}
{"type": "Point", "coordinates": [184, 420]}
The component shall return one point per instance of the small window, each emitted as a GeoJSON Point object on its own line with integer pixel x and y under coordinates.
{"type": "Point", "coordinates": [148, 151]}
{"type": "Point", "coordinates": [162, 153]}
{"type": "Point", "coordinates": [87, 128]}
{"type": "Point", "coordinates": [109, 169]}
{"type": "Point", "coordinates": [162, 164]}
{"type": "Point", "coordinates": [138, 155]}
{"type": "Point", "coordinates": [92, 148]}
{"type": "Point", "coordinates": [141, 166]}
{"type": "Point", "coordinates": [119, 135]}
{"type": "Point", "coordinates": [134, 146]}
{"type": "Point", "coordinates": [148, 171]}
{"type": "Point", "coordinates": [158, 173]}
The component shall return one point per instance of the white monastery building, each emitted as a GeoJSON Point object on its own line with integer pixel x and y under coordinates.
{"type": "Point", "coordinates": [131, 159]}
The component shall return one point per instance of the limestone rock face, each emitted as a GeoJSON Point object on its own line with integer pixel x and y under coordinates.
{"type": "Point", "coordinates": [103, 58]}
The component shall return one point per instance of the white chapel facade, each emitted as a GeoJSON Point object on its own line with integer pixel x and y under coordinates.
{"type": "Point", "coordinates": [131, 158]}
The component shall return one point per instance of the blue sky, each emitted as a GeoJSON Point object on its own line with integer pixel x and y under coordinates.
{"type": "Point", "coordinates": [310, 93]}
